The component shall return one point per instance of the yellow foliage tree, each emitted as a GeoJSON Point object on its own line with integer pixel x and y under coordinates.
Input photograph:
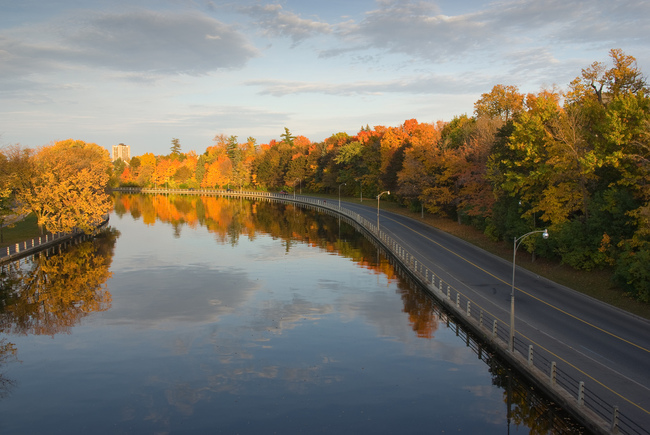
{"type": "Point", "coordinates": [65, 189]}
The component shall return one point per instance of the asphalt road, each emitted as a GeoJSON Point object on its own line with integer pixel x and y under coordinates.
{"type": "Point", "coordinates": [607, 348]}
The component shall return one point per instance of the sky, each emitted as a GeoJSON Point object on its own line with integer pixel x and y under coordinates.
{"type": "Point", "coordinates": [142, 72]}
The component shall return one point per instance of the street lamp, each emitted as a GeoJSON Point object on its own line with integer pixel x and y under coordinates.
{"type": "Point", "coordinates": [340, 194]}
{"type": "Point", "coordinates": [360, 190]}
{"type": "Point", "coordinates": [294, 188]}
{"type": "Point", "coordinates": [516, 243]}
{"type": "Point", "coordinates": [379, 196]}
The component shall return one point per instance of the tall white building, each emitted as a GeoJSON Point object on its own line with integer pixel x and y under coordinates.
{"type": "Point", "coordinates": [123, 152]}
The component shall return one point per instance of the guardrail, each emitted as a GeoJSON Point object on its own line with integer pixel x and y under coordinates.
{"type": "Point", "coordinates": [537, 363]}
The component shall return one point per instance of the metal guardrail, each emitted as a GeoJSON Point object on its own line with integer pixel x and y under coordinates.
{"type": "Point", "coordinates": [539, 360]}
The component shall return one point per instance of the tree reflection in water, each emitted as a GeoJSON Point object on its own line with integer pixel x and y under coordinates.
{"type": "Point", "coordinates": [229, 219]}
{"type": "Point", "coordinates": [525, 407]}
{"type": "Point", "coordinates": [49, 294]}
{"type": "Point", "coordinates": [7, 355]}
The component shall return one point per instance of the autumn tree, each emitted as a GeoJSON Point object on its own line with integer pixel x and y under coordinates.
{"type": "Point", "coordinates": [127, 178]}
{"type": "Point", "coordinates": [164, 171]}
{"type": "Point", "coordinates": [503, 102]}
{"type": "Point", "coordinates": [15, 165]}
{"type": "Point", "coordinates": [184, 175]}
{"type": "Point", "coordinates": [117, 169]}
{"type": "Point", "coordinates": [218, 173]}
{"type": "Point", "coordinates": [297, 167]}
{"type": "Point", "coordinates": [146, 169]}
{"type": "Point", "coordinates": [66, 187]}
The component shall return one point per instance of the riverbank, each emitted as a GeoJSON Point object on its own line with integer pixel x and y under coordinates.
{"type": "Point", "coordinates": [24, 239]}
{"type": "Point", "coordinates": [19, 230]}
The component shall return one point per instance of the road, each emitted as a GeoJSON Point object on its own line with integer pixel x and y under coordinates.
{"type": "Point", "coordinates": [607, 348]}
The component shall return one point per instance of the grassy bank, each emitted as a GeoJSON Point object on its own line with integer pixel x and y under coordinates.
{"type": "Point", "coordinates": [22, 230]}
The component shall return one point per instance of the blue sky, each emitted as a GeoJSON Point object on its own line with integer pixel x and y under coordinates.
{"type": "Point", "coordinates": [142, 72]}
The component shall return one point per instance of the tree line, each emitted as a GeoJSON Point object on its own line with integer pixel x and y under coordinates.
{"type": "Point", "coordinates": [575, 161]}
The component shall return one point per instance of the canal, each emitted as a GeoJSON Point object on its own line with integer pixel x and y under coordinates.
{"type": "Point", "coordinates": [203, 314]}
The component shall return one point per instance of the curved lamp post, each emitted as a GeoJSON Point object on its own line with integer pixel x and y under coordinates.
{"type": "Point", "coordinates": [340, 194]}
{"type": "Point", "coordinates": [379, 196]}
{"type": "Point", "coordinates": [516, 243]}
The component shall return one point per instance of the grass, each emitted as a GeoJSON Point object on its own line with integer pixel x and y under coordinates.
{"type": "Point", "coordinates": [25, 229]}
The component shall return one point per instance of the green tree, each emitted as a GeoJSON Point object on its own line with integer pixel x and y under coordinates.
{"type": "Point", "coordinates": [287, 137]}
{"type": "Point", "coordinates": [135, 162]}
{"type": "Point", "coordinates": [175, 148]}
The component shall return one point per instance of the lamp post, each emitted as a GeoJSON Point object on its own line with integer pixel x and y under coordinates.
{"type": "Point", "coordinates": [516, 243]}
{"type": "Point", "coordinates": [360, 190]}
{"type": "Point", "coordinates": [340, 194]}
{"type": "Point", "coordinates": [379, 196]}
{"type": "Point", "coordinates": [294, 188]}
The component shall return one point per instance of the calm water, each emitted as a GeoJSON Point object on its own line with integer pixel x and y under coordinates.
{"type": "Point", "coordinates": [210, 315]}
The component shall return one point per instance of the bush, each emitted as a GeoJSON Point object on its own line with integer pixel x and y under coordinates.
{"type": "Point", "coordinates": [633, 274]}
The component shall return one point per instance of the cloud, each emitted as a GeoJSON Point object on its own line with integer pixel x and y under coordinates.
{"type": "Point", "coordinates": [206, 297]}
{"type": "Point", "coordinates": [415, 29]}
{"type": "Point", "coordinates": [139, 41]}
{"type": "Point", "coordinates": [594, 21]}
{"type": "Point", "coordinates": [421, 31]}
{"type": "Point", "coordinates": [218, 117]}
{"type": "Point", "coordinates": [276, 22]}
{"type": "Point", "coordinates": [424, 84]}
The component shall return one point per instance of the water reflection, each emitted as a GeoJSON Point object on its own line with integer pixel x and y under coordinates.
{"type": "Point", "coordinates": [7, 355]}
{"type": "Point", "coordinates": [525, 408]}
{"type": "Point", "coordinates": [49, 294]}
{"type": "Point", "coordinates": [230, 219]}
